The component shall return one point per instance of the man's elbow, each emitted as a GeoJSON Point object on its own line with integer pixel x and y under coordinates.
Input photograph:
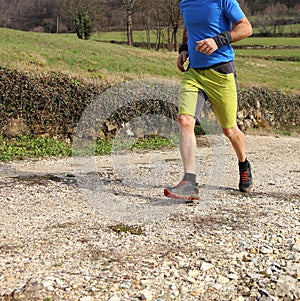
{"type": "Point", "coordinates": [248, 31]}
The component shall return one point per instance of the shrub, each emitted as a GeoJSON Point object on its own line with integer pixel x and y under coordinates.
{"type": "Point", "coordinates": [51, 105]}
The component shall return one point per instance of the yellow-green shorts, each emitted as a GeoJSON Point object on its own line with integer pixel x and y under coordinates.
{"type": "Point", "coordinates": [218, 85]}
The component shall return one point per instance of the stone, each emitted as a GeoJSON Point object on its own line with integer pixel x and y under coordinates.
{"type": "Point", "coordinates": [264, 292]}
{"type": "Point", "coordinates": [190, 279]}
{"type": "Point", "coordinates": [125, 285]}
{"type": "Point", "coordinates": [233, 276]}
{"type": "Point", "coordinates": [114, 298]}
{"type": "Point", "coordinates": [240, 114]}
{"type": "Point", "coordinates": [152, 262]}
{"type": "Point", "coordinates": [146, 295]}
{"type": "Point", "coordinates": [47, 283]}
{"type": "Point", "coordinates": [193, 273]}
{"type": "Point", "coordinates": [145, 282]}
{"type": "Point", "coordinates": [86, 298]}
{"type": "Point", "coordinates": [172, 286]}
{"type": "Point", "coordinates": [183, 289]}
{"type": "Point", "coordinates": [16, 127]}
{"type": "Point", "coordinates": [197, 292]}
{"type": "Point", "coordinates": [266, 250]}
{"type": "Point", "coordinates": [216, 286]}
{"type": "Point", "coordinates": [296, 248]}
{"type": "Point", "coordinates": [287, 285]}
{"type": "Point", "coordinates": [222, 280]}
{"type": "Point", "coordinates": [175, 293]}
{"type": "Point", "coordinates": [205, 266]}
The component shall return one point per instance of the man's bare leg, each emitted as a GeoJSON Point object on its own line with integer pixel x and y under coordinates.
{"type": "Point", "coordinates": [187, 143]}
{"type": "Point", "coordinates": [187, 188]}
{"type": "Point", "coordinates": [237, 139]}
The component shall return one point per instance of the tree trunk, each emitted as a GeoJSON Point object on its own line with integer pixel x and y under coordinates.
{"type": "Point", "coordinates": [129, 28]}
{"type": "Point", "coordinates": [169, 39]}
{"type": "Point", "coordinates": [175, 42]}
{"type": "Point", "coordinates": [148, 37]}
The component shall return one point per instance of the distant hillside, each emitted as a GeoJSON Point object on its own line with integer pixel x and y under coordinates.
{"type": "Point", "coordinates": [57, 15]}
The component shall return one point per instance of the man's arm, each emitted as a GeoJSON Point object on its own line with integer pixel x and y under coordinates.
{"type": "Point", "coordinates": [183, 51]}
{"type": "Point", "coordinates": [184, 36]}
{"type": "Point", "coordinates": [240, 30]}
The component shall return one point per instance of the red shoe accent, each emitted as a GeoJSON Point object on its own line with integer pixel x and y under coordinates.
{"type": "Point", "coordinates": [171, 195]}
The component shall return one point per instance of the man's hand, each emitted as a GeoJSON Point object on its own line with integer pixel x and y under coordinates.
{"type": "Point", "coordinates": [207, 46]}
{"type": "Point", "coordinates": [182, 57]}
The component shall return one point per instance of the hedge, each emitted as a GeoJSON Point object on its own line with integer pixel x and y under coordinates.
{"type": "Point", "coordinates": [52, 104]}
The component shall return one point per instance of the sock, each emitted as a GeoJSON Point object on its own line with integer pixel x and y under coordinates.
{"type": "Point", "coordinates": [190, 177]}
{"type": "Point", "coordinates": [243, 165]}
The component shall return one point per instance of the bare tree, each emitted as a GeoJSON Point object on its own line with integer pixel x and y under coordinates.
{"type": "Point", "coordinates": [112, 15]}
{"type": "Point", "coordinates": [130, 6]}
{"type": "Point", "coordinates": [160, 17]}
{"type": "Point", "coordinates": [278, 15]}
{"type": "Point", "coordinates": [295, 20]}
{"type": "Point", "coordinates": [146, 12]}
{"type": "Point", "coordinates": [245, 7]}
{"type": "Point", "coordinates": [172, 11]}
{"type": "Point", "coordinates": [263, 24]}
{"type": "Point", "coordinates": [160, 22]}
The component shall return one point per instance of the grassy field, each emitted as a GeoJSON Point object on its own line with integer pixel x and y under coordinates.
{"type": "Point", "coordinates": [38, 52]}
{"type": "Point", "coordinates": [99, 61]}
{"type": "Point", "coordinates": [140, 36]}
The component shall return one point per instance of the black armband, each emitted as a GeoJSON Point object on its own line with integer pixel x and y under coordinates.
{"type": "Point", "coordinates": [224, 38]}
{"type": "Point", "coordinates": [183, 47]}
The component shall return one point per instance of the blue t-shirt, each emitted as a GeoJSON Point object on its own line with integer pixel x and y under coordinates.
{"type": "Point", "coordinates": [205, 19]}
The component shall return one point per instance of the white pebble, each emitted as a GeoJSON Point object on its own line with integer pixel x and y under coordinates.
{"type": "Point", "coordinates": [205, 266]}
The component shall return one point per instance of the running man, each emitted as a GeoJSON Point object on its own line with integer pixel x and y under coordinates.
{"type": "Point", "coordinates": [210, 28]}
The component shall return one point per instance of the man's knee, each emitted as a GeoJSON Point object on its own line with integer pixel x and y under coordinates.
{"type": "Point", "coordinates": [186, 120]}
{"type": "Point", "coordinates": [231, 132]}
{"type": "Point", "coordinates": [227, 132]}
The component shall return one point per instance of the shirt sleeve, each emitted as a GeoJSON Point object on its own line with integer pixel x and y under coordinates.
{"type": "Point", "coordinates": [232, 10]}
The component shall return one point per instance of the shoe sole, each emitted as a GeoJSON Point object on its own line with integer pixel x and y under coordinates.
{"type": "Point", "coordinates": [246, 190]}
{"type": "Point", "coordinates": [171, 195]}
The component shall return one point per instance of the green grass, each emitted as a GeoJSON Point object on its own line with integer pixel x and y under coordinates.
{"type": "Point", "coordinates": [275, 54]}
{"type": "Point", "coordinates": [122, 228]}
{"type": "Point", "coordinates": [287, 30]}
{"type": "Point", "coordinates": [271, 41]}
{"type": "Point", "coordinates": [112, 63]}
{"type": "Point", "coordinates": [23, 147]}
{"type": "Point", "coordinates": [90, 60]}
{"type": "Point", "coordinates": [93, 60]}
{"type": "Point", "coordinates": [273, 74]}
{"type": "Point", "coordinates": [154, 142]}
{"type": "Point", "coordinates": [140, 36]}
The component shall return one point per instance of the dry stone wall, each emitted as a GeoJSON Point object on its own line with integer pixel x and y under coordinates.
{"type": "Point", "coordinates": [52, 104]}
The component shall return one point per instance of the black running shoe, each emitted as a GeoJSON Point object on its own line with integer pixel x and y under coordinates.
{"type": "Point", "coordinates": [185, 190]}
{"type": "Point", "coordinates": [245, 177]}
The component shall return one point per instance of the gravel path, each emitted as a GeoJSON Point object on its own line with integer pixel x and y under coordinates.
{"type": "Point", "coordinates": [70, 233]}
